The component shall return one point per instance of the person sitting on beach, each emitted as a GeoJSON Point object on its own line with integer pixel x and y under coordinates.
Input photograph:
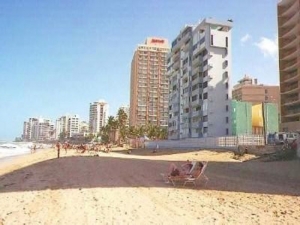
{"type": "Point", "coordinates": [185, 170]}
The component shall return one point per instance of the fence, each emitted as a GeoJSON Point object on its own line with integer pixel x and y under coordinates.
{"type": "Point", "coordinates": [209, 142]}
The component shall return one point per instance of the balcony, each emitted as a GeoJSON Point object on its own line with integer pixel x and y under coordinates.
{"type": "Point", "coordinates": [196, 81]}
{"type": "Point", "coordinates": [195, 113]}
{"type": "Point", "coordinates": [176, 65]}
{"type": "Point", "coordinates": [186, 46]}
{"type": "Point", "coordinates": [286, 43]}
{"type": "Point", "coordinates": [185, 85]}
{"type": "Point", "coordinates": [291, 101]}
{"type": "Point", "coordinates": [291, 21]}
{"type": "Point", "coordinates": [294, 88]}
{"type": "Point", "coordinates": [289, 77]}
{"type": "Point", "coordinates": [196, 91]}
{"type": "Point", "coordinates": [289, 65]}
{"type": "Point", "coordinates": [290, 10]}
{"type": "Point", "coordinates": [289, 54]}
{"type": "Point", "coordinates": [292, 113]}
{"type": "Point", "coordinates": [196, 102]}
{"type": "Point", "coordinates": [288, 31]}
{"type": "Point", "coordinates": [199, 48]}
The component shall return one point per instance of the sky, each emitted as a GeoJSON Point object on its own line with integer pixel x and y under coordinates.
{"type": "Point", "coordinates": [58, 56]}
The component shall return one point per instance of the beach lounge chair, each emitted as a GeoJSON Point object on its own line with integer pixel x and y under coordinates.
{"type": "Point", "coordinates": [168, 179]}
{"type": "Point", "coordinates": [193, 180]}
{"type": "Point", "coordinates": [189, 180]}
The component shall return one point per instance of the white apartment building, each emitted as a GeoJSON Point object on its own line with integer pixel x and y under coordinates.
{"type": "Point", "coordinates": [199, 70]}
{"type": "Point", "coordinates": [73, 125]}
{"type": "Point", "coordinates": [27, 129]}
{"type": "Point", "coordinates": [98, 116]}
{"type": "Point", "coordinates": [37, 129]}
{"type": "Point", "coordinates": [84, 127]}
{"type": "Point", "coordinates": [68, 125]}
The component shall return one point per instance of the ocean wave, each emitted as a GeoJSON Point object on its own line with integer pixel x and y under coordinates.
{"type": "Point", "coordinates": [13, 149]}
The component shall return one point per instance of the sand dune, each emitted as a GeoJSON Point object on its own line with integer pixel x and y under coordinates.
{"type": "Point", "coordinates": [118, 188]}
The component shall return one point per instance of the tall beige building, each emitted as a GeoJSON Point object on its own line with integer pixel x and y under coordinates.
{"type": "Point", "coordinates": [149, 87]}
{"type": "Point", "coordinates": [289, 63]}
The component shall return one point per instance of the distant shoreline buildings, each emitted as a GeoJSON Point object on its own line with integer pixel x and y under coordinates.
{"type": "Point", "coordinates": [187, 89]}
{"type": "Point", "coordinates": [67, 126]}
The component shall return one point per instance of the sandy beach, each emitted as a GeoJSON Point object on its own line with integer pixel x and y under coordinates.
{"type": "Point", "coordinates": [120, 188]}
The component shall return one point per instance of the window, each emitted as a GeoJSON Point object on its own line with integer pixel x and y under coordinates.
{"type": "Point", "coordinates": [227, 108]}
{"type": "Point", "coordinates": [227, 119]}
{"type": "Point", "coordinates": [194, 77]}
{"type": "Point", "coordinates": [194, 98]}
{"type": "Point", "coordinates": [266, 91]}
{"type": "Point", "coordinates": [226, 85]}
{"type": "Point", "coordinates": [205, 119]}
{"type": "Point", "coordinates": [205, 96]}
{"type": "Point", "coordinates": [226, 52]}
{"type": "Point", "coordinates": [226, 96]}
{"type": "Point", "coordinates": [194, 87]}
{"type": "Point", "coordinates": [225, 63]}
{"type": "Point", "coordinates": [226, 41]}
{"type": "Point", "coordinates": [211, 39]}
{"type": "Point", "coordinates": [225, 75]}
{"type": "Point", "coordinates": [227, 131]}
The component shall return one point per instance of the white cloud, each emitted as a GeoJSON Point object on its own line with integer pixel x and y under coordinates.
{"type": "Point", "coordinates": [268, 47]}
{"type": "Point", "coordinates": [245, 38]}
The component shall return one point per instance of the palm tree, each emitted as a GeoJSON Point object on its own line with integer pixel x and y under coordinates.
{"type": "Point", "coordinates": [122, 122]}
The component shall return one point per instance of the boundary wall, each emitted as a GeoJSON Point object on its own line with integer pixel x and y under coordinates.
{"type": "Point", "coordinates": [230, 142]}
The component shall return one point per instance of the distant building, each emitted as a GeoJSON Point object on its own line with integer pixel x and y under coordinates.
{"type": "Point", "coordinates": [67, 126]}
{"type": "Point", "coordinates": [248, 90]}
{"type": "Point", "coordinates": [149, 86]}
{"type": "Point", "coordinates": [84, 127]}
{"type": "Point", "coordinates": [98, 116]}
{"type": "Point", "coordinates": [289, 63]}
{"type": "Point", "coordinates": [37, 129]}
{"type": "Point", "coordinates": [199, 70]}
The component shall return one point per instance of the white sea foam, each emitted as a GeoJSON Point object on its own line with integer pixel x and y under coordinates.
{"type": "Point", "coordinates": [14, 148]}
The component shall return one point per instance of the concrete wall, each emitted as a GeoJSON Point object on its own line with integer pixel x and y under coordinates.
{"type": "Point", "coordinates": [210, 142]}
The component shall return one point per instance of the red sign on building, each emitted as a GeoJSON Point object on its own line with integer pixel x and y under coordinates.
{"type": "Point", "coordinates": [160, 41]}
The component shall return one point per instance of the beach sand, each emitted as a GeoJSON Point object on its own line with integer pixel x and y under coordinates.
{"type": "Point", "coordinates": [120, 188]}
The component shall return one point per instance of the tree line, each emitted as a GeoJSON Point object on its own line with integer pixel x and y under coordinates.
{"type": "Point", "coordinates": [119, 125]}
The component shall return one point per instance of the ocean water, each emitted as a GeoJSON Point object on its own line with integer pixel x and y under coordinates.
{"type": "Point", "coordinates": [8, 149]}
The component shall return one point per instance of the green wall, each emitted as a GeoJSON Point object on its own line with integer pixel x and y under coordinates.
{"type": "Point", "coordinates": [241, 115]}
